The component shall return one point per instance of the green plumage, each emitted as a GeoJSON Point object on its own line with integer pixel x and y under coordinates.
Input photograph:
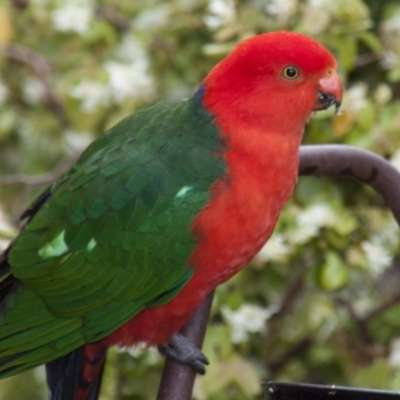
{"type": "Point", "coordinates": [113, 238]}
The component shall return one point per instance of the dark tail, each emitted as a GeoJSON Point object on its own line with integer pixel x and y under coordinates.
{"type": "Point", "coordinates": [77, 375]}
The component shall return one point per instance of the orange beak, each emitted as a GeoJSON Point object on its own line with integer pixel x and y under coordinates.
{"type": "Point", "coordinates": [330, 92]}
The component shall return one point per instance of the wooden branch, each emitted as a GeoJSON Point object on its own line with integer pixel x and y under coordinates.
{"type": "Point", "coordinates": [178, 379]}
{"type": "Point", "coordinates": [367, 167]}
{"type": "Point", "coordinates": [321, 161]}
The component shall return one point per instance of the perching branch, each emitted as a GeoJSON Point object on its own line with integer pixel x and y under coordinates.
{"type": "Point", "coordinates": [321, 161]}
{"type": "Point", "coordinates": [178, 379]}
{"type": "Point", "coordinates": [367, 167]}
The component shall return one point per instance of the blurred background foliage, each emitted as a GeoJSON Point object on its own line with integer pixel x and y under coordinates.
{"type": "Point", "coordinates": [319, 303]}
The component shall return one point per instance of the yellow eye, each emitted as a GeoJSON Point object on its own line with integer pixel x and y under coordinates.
{"type": "Point", "coordinates": [291, 72]}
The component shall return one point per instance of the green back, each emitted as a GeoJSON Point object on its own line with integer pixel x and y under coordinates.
{"type": "Point", "coordinates": [114, 237]}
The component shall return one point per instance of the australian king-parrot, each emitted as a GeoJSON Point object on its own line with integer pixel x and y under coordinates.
{"type": "Point", "coordinates": [168, 204]}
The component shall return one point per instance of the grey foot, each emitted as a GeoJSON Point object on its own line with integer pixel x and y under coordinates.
{"type": "Point", "coordinates": [182, 350]}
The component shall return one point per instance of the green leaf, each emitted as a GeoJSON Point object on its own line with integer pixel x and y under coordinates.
{"type": "Point", "coordinates": [347, 48]}
{"type": "Point", "coordinates": [394, 74]}
{"type": "Point", "coordinates": [333, 274]}
{"type": "Point", "coordinates": [375, 375]}
{"type": "Point", "coordinates": [345, 221]}
{"type": "Point", "coordinates": [371, 40]}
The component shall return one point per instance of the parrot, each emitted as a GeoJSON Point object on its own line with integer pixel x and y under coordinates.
{"type": "Point", "coordinates": [156, 213]}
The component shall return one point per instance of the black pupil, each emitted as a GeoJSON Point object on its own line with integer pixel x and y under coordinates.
{"type": "Point", "coordinates": [291, 72]}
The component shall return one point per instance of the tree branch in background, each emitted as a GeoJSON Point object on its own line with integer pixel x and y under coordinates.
{"type": "Point", "coordinates": [275, 366]}
{"type": "Point", "coordinates": [360, 323]}
{"type": "Point", "coordinates": [42, 70]}
{"type": "Point", "coordinates": [42, 179]}
{"type": "Point", "coordinates": [20, 3]}
{"type": "Point", "coordinates": [291, 294]}
{"type": "Point", "coordinates": [115, 19]}
{"type": "Point", "coordinates": [367, 58]}
{"type": "Point", "coordinates": [387, 305]}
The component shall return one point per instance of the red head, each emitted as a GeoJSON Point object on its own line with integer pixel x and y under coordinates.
{"type": "Point", "coordinates": [274, 80]}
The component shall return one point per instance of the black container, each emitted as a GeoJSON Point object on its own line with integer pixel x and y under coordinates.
{"type": "Point", "coordinates": [302, 391]}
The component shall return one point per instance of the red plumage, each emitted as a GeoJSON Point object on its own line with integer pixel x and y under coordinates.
{"type": "Point", "coordinates": [261, 117]}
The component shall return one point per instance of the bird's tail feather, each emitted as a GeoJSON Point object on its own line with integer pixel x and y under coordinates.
{"type": "Point", "coordinates": [27, 325]}
{"type": "Point", "coordinates": [77, 375]}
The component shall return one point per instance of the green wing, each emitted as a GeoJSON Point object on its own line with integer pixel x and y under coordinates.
{"type": "Point", "coordinates": [114, 236]}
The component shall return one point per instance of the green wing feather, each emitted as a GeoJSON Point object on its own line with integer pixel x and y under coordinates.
{"type": "Point", "coordinates": [113, 238]}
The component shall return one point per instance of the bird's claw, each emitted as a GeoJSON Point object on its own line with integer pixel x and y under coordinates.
{"type": "Point", "coordinates": [182, 350]}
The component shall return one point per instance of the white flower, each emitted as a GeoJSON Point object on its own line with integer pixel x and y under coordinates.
{"type": "Point", "coordinates": [3, 92]}
{"type": "Point", "coordinates": [152, 18]}
{"type": "Point", "coordinates": [129, 80]}
{"type": "Point", "coordinates": [73, 16]}
{"type": "Point", "coordinates": [142, 349]}
{"type": "Point", "coordinates": [378, 257]}
{"type": "Point", "coordinates": [248, 318]}
{"type": "Point", "coordinates": [276, 249]}
{"type": "Point", "coordinates": [129, 76]}
{"type": "Point", "coordinates": [76, 142]}
{"type": "Point", "coordinates": [391, 32]}
{"type": "Point", "coordinates": [394, 355]}
{"type": "Point", "coordinates": [395, 161]}
{"type": "Point", "coordinates": [355, 98]}
{"type": "Point", "coordinates": [131, 50]}
{"type": "Point", "coordinates": [222, 12]}
{"type": "Point", "coordinates": [393, 23]}
{"type": "Point", "coordinates": [389, 235]}
{"type": "Point", "coordinates": [311, 220]}
{"type": "Point", "coordinates": [32, 90]}
{"type": "Point", "coordinates": [390, 59]}
{"type": "Point", "coordinates": [282, 10]}
{"type": "Point", "coordinates": [383, 93]}
{"type": "Point", "coordinates": [137, 350]}
{"type": "Point", "coordinates": [4, 244]}
{"type": "Point", "coordinates": [324, 4]}
{"type": "Point", "coordinates": [92, 94]}
{"type": "Point", "coordinates": [7, 231]}
{"type": "Point", "coordinates": [317, 16]}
